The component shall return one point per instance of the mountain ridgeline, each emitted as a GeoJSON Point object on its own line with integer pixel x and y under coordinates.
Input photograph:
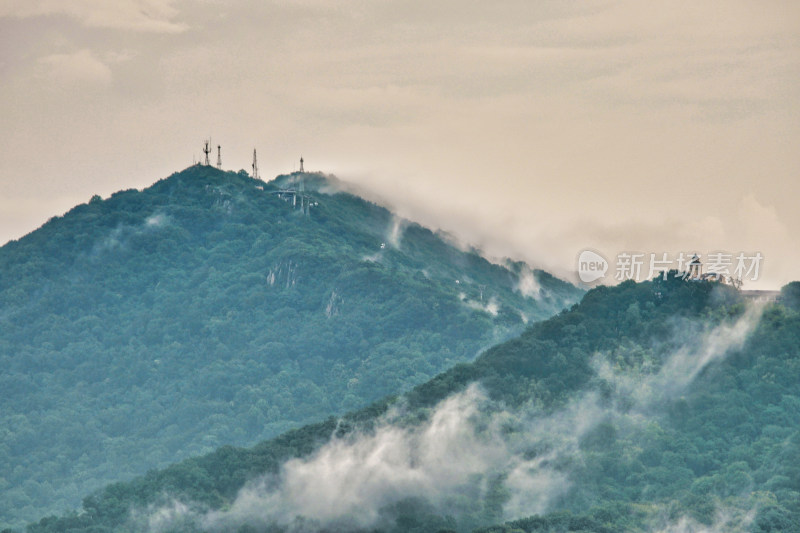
{"type": "Point", "coordinates": [211, 309]}
{"type": "Point", "coordinates": [668, 406]}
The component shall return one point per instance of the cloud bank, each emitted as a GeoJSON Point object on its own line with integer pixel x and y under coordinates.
{"type": "Point", "coordinates": [531, 129]}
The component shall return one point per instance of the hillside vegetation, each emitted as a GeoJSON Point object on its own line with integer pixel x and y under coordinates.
{"type": "Point", "coordinates": [206, 310]}
{"type": "Point", "coordinates": [659, 406]}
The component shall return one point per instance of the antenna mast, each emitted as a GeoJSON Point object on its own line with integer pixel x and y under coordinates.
{"type": "Point", "coordinates": [207, 150]}
{"type": "Point", "coordinates": [219, 157]}
{"type": "Point", "coordinates": [301, 164]}
{"type": "Point", "coordinates": [255, 165]}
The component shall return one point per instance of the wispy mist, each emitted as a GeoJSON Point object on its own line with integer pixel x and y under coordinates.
{"type": "Point", "coordinates": [727, 520]}
{"type": "Point", "coordinates": [119, 237]}
{"type": "Point", "coordinates": [349, 480]}
{"type": "Point", "coordinates": [527, 284]}
{"type": "Point", "coordinates": [491, 306]}
{"type": "Point", "coordinates": [682, 367]}
{"type": "Point", "coordinates": [466, 445]}
{"type": "Point", "coordinates": [395, 233]}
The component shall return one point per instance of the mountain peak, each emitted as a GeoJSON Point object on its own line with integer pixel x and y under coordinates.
{"type": "Point", "coordinates": [227, 310]}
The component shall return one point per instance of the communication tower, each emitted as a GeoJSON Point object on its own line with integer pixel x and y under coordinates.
{"type": "Point", "coordinates": [207, 150]}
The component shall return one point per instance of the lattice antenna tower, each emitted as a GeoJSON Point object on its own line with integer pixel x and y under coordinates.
{"type": "Point", "coordinates": [219, 157]}
{"type": "Point", "coordinates": [207, 150]}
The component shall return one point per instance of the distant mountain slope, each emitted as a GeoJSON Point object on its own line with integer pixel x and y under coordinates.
{"type": "Point", "coordinates": [208, 309]}
{"type": "Point", "coordinates": [665, 406]}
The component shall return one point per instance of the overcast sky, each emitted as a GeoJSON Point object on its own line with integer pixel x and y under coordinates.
{"type": "Point", "coordinates": [531, 128]}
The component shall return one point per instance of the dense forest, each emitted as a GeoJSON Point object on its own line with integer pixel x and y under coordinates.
{"type": "Point", "coordinates": [659, 406]}
{"type": "Point", "coordinates": [209, 309]}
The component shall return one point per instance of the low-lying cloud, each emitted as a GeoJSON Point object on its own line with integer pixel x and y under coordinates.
{"type": "Point", "coordinates": [727, 520]}
{"type": "Point", "coordinates": [678, 371]}
{"type": "Point", "coordinates": [491, 306]}
{"type": "Point", "coordinates": [119, 237]}
{"type": "Point", "coordinates": [527, 284]}
{"type": "Point", "coordinates": [453, 460]}
{"type": "Point", "coordinates": [395, 233]}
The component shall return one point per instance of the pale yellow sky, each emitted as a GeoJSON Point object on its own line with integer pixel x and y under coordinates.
{"type": "Point", "coordinates": [534, 129]}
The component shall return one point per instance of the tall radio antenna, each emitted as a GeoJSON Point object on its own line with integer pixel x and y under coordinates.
{"type": "Point", "coordinates": [219, 156]}
{"type": "Point", "coordinates": [255, 165]}
{"type": "Point", "coordinates": [207, 150]}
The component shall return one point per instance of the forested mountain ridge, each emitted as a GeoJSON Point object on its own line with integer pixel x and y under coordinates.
{"type": "Point", "coordinates": [207, 309]}
{"type": "Point", "coordinates": [666, 406]}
